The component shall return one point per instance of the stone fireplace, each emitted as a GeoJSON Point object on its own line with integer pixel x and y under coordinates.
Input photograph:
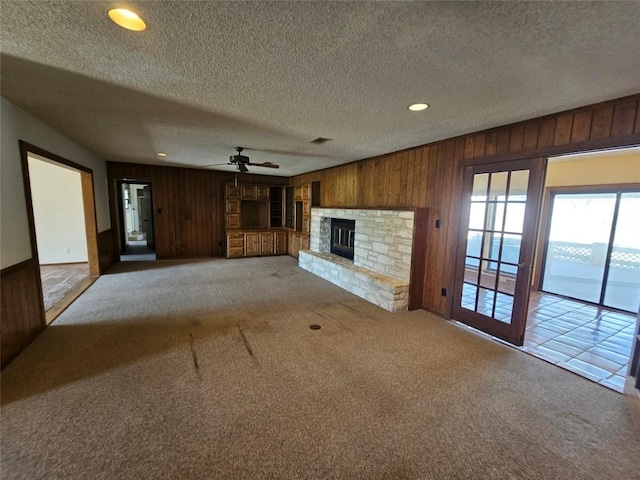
{"type": "Point", "coordinates": [381, 265]}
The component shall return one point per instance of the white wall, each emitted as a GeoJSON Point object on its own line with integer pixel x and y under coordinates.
{"type": "Point", "coordinates": [16, 124]}
{"type": "Point", "coordinates": [58, 213]}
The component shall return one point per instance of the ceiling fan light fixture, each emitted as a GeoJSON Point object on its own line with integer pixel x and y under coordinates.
{"type": "Point", "coordinates": [418, 107]}
{"type": "Point", "coordinates": [243, 168]}
{"type": "Point", "coordinates": [161, 154]}
{"type": "Point", "coordinates": [127, 19]}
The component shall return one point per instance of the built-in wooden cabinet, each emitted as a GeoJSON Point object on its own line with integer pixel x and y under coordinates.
{"type": "Point", "coordinates": [281, 243]}
{"type": "Point", "coordinates": [268, 220]}
{"type": "Point", "coordinates": [253, 243]}
{"type": "Point", "coordinates": [298, 214]}
{"type": "Point", "coordinates": [253, 213]}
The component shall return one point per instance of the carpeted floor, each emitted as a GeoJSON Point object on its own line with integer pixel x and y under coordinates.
{"type": "Point", "coordinates": [208, 369]}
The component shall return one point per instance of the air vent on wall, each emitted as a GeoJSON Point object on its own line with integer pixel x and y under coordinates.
{"type": "Point", "coordinates": [320, 140]}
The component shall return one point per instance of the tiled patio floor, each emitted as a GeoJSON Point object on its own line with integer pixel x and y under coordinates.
{"type": "Point", "coordinates": [588, 340]}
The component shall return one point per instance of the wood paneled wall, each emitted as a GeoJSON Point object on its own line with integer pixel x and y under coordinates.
{"type": "Point", "coordinates": [107, 249]}
{"type": "Point", "coordinates": [22, 308]}
{"type": "Point", "coordinates": [430, 176]}
{"type": "Point", "coordinates": [188, 205]}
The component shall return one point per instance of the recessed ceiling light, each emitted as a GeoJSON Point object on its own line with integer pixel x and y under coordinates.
{"type": "Point", "coordinates": [416, 107]}
{"type": "Point", "coordinates": [127, 19]}
{"type": "Point", "coordinates": [161, 154]}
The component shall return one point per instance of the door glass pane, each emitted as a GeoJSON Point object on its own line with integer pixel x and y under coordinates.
{"type": "Point", "coordinates": [480, 182]}
{"type": "Point", "coordinates": [485, 301]}
{"type": "Point", "coordinates": [472, 269]}
{"type": "Point", "coordinates": [488, 277]}
{"type": "Point", "coordinates": [511, 252]}
{"type": "Point", "coordinates": [469, 293]}
{"type": "Point", "coordinates": [623, 283]}
{"type": "Point", "coordinates": [518, 186]}
{"type": "Point", "coordinates": [498, 184]}
{"type": "Point", "coordinates": [493, 249]}
{"type": "Point", "coordinates": [476, 215]}
{"type": "Point", "coordinates": [577, 247]}
{"type": "Point", "coordinates": [515, 217]}
{"type": "Point", "coordinates": [506, 281]}
{"type": "Point", "coordinates": [504, 307]}
{"type": "Point", "coordinates": [474, 242]}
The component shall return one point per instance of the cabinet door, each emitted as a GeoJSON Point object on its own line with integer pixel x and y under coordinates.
{"type": "Point", "coordinates": [281, 243]}
{"type": "Point", "coordinates": [233, 206]}
{"type": "Point", "coordinates": [248, 192]}
{"type": "Point", "coordinates": [233, 220]}
{"type": "Point", "coordinates": [235, 245]}
{"type": "Point", "coordinates": [262, 193]}
{"type": "Point", "coordinates": [231, 191]}
{"type": "Point", "coordinates": [252, 243]}
{"type": "Point", "coordinates": [266, 243]}
{"type": "Point", "coordinates": [294, 244]}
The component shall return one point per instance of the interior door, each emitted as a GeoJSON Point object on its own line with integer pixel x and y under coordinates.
{"type": "Point", "coordinates": [497, 236]}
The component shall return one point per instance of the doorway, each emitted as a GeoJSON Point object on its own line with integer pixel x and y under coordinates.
{"type": "Point", "coordinates": [62, 226]}
{"type": "Point", "coordinates": [498, 224]}
{"type": "Point", "coordinates": [592, 246]}
{"type": "Point", "coordinates": [135, 210]}
{"type": "Point", "coordinates": [585, 291]}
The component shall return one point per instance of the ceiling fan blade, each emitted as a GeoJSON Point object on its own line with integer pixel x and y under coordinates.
{"type": "Point", "coordinates": [217, 164]}
{"type": "Point", "coordinates": [265, 164]}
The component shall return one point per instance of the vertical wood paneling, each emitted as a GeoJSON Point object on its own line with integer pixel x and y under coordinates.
{"type": "Point", "coordinates": [502, 145]}
{"type": "Point", "coordinates": [107, 249]}
{"type": "Point", "coordinates": [491, 144]}
{"type": "Point", "coordinates": [562, 134]}
{"type": "Point", "coordinates": [21, 308]}
{"type": "Point", "coordinates": [624, 115]}
{"type": "Point", "coordinates": [547, 130]}
{"type": "Point", "coordinates": [581, 126]}
{"type": "Point", "coordinates": [601, 123]}
{"type": "Point", "coordinates": [435, 172]}
{"type": "Point", "coordinates": [187, 206]}
{"type": "Point", "coordinates": [530, 140]}
{"type": "Point", "coordinates": [516, 138]}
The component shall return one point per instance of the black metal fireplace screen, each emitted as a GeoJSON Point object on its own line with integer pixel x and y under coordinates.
{"type": "Point", "coordinates": [343, 233]}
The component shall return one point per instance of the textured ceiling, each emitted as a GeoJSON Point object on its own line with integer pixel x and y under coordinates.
{"type": "Point", "coordinates": [272, 76]}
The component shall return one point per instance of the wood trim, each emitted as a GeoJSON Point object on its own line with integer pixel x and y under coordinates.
{"type": "Point", "coordinates": [90, 222]}
{"type": "Point", "coordinates": [28, 147]}
{"type": "Point", "coordinates": [88, 201]}
{"type": "Point", "coordinates": [26, 179]}
{"type": "Point", "coordinates": [419, 258]}
{"type": "Point", "coordinates": [632, 140]}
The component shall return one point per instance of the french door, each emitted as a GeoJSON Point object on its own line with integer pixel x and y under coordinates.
{"type": "Point", "coordinates": [497, 234]}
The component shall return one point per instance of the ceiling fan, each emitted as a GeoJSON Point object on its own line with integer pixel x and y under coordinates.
{"type": "Point", "coordinates": [242, 161]}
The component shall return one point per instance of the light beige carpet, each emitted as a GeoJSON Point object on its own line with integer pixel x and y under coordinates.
{"type": "Point", "coordinates": [208, 369]}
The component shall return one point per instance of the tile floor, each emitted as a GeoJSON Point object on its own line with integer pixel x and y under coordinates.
{"type": "Point", "coordinates": [588, 340]}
